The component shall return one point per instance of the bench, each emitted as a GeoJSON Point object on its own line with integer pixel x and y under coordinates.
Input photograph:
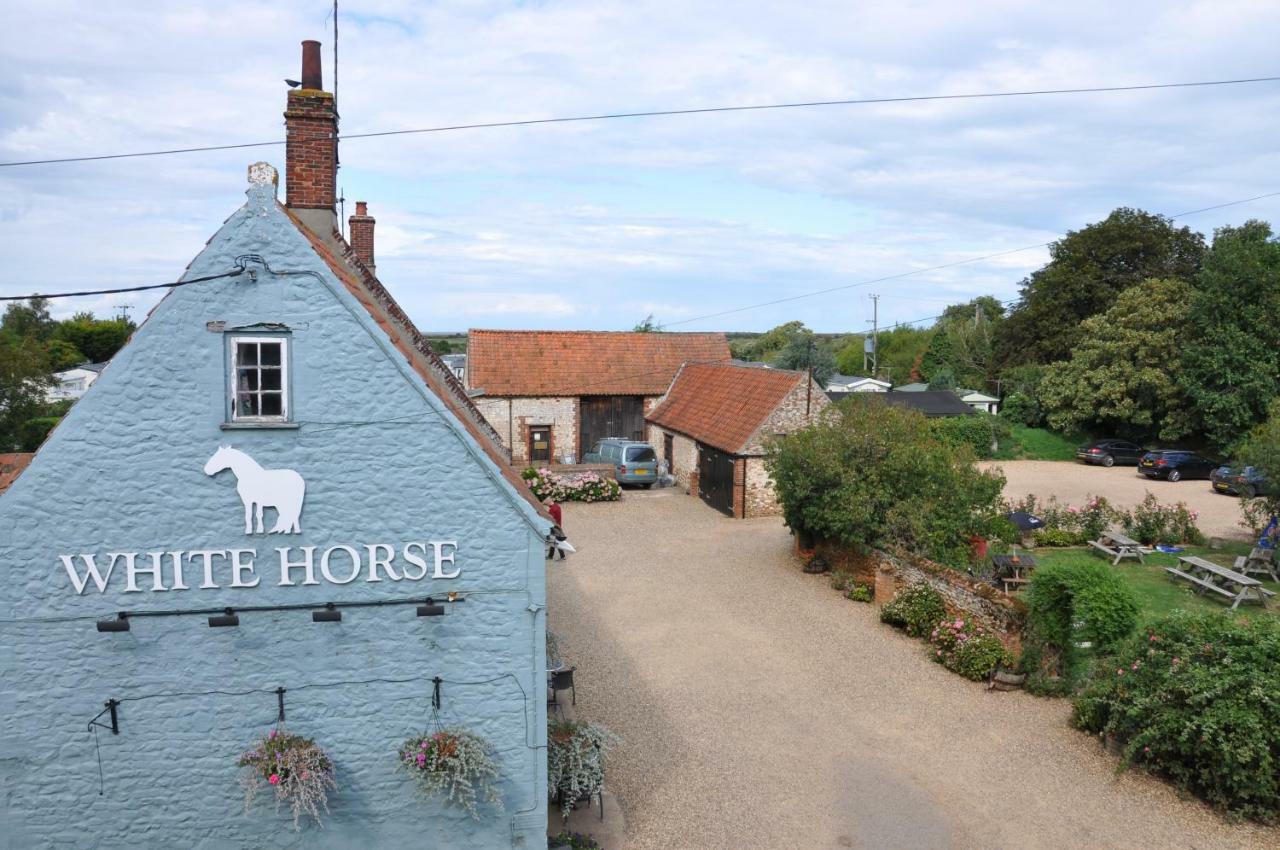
{"type": "Point", "coordinates": [1118, 551]}
{"type": "Point", "coordinates": [1013, 580]}
{"type": "Point", "coordinates": [1104, 549]}
{"type": "Point", "coordinates": [1207, 585]}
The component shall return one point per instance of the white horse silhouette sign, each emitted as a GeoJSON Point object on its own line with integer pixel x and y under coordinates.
{"type": "Point", "coordinates": [282, 489]}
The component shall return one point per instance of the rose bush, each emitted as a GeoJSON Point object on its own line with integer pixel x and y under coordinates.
{"type": "Point", "coordinates": [572, 486]}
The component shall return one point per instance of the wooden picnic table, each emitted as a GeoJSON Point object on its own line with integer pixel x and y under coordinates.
{"type": "Point", "coordinates": [1225, 582]}
{"type": "Point", "coordinates": [1259, 562]}
{"type": "Point", "coordinates": [1118, 546]}
{"type": "Point", "coordinates": [1009, 569]}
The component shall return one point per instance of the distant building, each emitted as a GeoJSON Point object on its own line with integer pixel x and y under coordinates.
{"type": "Point", "coordinates": [980, 402]}
{"type": "Point", "coordinates": [712, 426]}
{"type": "Point", "coordinates": [457, 364]}
{"type": "Point", "coordinates": [856, 384]}
{"type": "Point", "coordinates": [74, 382]}
{"type": "Point", "coordinates": [553, 394]}
{"type": "Point", "coordinates": [932, 403]}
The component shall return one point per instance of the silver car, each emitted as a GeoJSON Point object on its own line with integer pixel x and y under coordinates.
{"type": "Point", "coordinates": [633, 462]}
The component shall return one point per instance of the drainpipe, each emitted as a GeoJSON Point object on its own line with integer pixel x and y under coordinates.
{"type": "Point", "coordinates": [511, 418]}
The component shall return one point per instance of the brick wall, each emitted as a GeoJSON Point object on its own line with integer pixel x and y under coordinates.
{"type": "Point", "coordinates": [311, 149]}
{"type": "Point", "coordinates": [797, 409]}
{"type": "Point", "coordinates": [511, 418]}
{"type": "Point", "coordinates": [361, 231]}
{"type": "Point", "coordinates": [684, 464]}
{"type": "Point", "coordinates": [761, 499]}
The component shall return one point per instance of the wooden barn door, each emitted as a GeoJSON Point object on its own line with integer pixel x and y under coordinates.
{"type": "Point", "coordinates": [715, 479]}
{"type": "Point", "coordinates": [610, 416]}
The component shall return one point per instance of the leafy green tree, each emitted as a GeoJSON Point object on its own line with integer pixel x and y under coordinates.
{"type": "Point", "coordinates": [943, 379]}
{"type": "Point", "coordinates": [1087, 270]}
{"type": "Point", "coordinates": [1231, 362]}
{"type": "Point", "coordinates": [899, 349]}
{"type": "Point", "coordinates": [768, 344]}
{"type": "Point", "coordinates": [1262, 449]}
{"type": "Point", "coordinates": [1118, 379]}
{"type": "Point", "coordinates": [24, 380]}
{"type": "Point", "coordinates": [647, 326]}
{"type": "Point", "coordinates": [97, 340]}
{"type": "Point", "coordinates": [874, 474]}
{"type": "Point", "coordinates": [441, 346]}
{"type": "Point", "coordinates": [963, 342]}
{"type": "Point", "coordinates": [806, 352]}
{"type": "Point", "coordinates": [29, 321]}
{"type": "Point", "coordinates": [850, 356]}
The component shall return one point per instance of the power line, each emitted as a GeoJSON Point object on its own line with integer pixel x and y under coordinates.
{"type": "Point", "coordinates": [657, 113]}
{"type": "Point", "coordinates": [900, 275]}
{"type": "Point", "coordinates": [234, 273]}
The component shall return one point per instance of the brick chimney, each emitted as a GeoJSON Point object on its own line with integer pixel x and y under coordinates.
{"type": "Point", "coordinates": [362, 235]}
{"type": "Point", "coordinates": [311, 139]}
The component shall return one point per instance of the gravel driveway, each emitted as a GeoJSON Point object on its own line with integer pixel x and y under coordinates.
{"type": "Point", "coordinates": [1074, 482]}
{"type": "Point", "coordinates": [762, 710]}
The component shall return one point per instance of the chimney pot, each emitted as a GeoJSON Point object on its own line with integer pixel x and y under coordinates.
{"type": "Point", "coordinates": [361, 230]}
{"type": "Point", "coordinates": [362, 208]}
{"type": "Point", "coordinates": [311, 77]}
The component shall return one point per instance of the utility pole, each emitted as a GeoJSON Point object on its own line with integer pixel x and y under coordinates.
{"type": "Point", "coordinates": [124, 311]}
{"type": "Point", "coordinates": [875, 334]}
{"type": "Point", "coordinates": [808, 386]}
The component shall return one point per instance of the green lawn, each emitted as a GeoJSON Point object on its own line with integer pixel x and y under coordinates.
{"type": "Point", "coordinates": [1039, 444]}
{"type": "Point", "coordinates": [1156, 591]}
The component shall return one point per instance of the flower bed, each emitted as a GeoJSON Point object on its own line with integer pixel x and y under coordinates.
{"type": "Point", "coordinates": [296, 767]}
{"type": "Point", "coordinates": [967, 648]}
{"type": "Point", "coordinates": [1149, 521]}
{"type": "Point", "coordinates": [572, 486]}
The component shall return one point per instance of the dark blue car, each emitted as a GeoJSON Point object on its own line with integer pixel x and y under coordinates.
{"type": "Point", "coordinates": [1176, 464]}
{"type": "Point", "coordinates": [1243, 481]}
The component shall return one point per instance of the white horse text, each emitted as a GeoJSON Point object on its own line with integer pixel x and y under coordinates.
{"type": "Point", "coordinates": [295, 566]}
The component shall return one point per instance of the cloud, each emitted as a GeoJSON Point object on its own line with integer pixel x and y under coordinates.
{"type": "Point", "coordinates": [589, 224]}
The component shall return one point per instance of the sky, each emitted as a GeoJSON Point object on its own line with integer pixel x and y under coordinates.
{"type": "Point", "coordinates": [598, 225]}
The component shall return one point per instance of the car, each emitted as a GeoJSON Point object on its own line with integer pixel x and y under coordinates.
{"type": "Point", "coordinates": [633, 462]}
{"type": "Point", "coordinates": [1111, 452]}
{"type": "Point", "coordinates": [1176, 464]}
{"type": "Point", "coordinates": [1244, 481]}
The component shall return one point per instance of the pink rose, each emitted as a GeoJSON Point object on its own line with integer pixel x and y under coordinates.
{"type": "Point", "coordinates": [1120, 671]}
{"type": "Point", "coordinates": [274, 779]}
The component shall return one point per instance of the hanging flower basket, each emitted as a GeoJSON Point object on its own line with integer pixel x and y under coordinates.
{"type": "Point", "coordinates": [575, 760]}
{"type": "Point", "coordinates": [454, 764]}
{"type": "Point", "coordinates": [297, 768]}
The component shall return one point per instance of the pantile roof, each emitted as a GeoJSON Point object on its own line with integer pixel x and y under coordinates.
{"type": "Point", "coordinates": [722, 404]}
{"type": "Point", "coordinates": [11, 466]}
{"type": "Point", "coordinates": [929, 402]}
{"type": "Point", "coordinates": [576, 363]}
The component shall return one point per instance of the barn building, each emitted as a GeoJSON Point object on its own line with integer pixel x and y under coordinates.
{"type": "Point", "coordinates": [714, 422]}
{"type": "Point", "coordinates": [551, 395]}
{"type": "Point", "coordinates": [307, 522]}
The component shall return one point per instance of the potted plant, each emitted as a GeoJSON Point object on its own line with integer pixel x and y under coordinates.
{"type": "Point", "coordinates": [576, 751]}
{"type": "Point", "coordinates": [296, 767]}
{"type": "Point", "coordinates": [454, 764]}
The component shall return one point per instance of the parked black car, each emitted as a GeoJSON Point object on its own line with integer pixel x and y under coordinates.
{"type": "Point", "coordinates": [1243, 481]}
{"type": "Point", "coordinates": [1111, 452]}
{"type": "Point", "coordinates": [1175, 465]}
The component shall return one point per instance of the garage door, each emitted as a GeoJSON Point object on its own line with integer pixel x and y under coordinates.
{"type": "Point", "coordinates": [610, 416]}
{"type": "Point", "coordinates": [715, 478]}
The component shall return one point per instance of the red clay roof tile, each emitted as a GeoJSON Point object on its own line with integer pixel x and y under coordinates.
{"type": "Point", "coordinates": [722, 404]}
{"type": "Point", "coordinates": [576, 363]}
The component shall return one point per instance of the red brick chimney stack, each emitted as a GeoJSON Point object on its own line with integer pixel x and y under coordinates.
{"type": "Point", "coordinates": [362, 235]}
{"type": "Point", "coordinates": [311, 139]}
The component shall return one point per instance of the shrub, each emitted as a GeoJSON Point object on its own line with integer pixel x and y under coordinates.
{"type": "Point", "coordinates": [977, 432]}
{"type": "Point", "coordinates": [1151, 522]}
{"type": "Point", "coordinates": [572, 487]}
{"type": "Point", "coordinates": [574, 841]}
{"type": "Point", "coordinates": [967, 648]}
{"type": "Point", "coordinates": [1056, 537]}
{"type": "Point", "coordinates": [1023, 409]}
{"type": "Point", "coordinates": [917, 608]}
{"type": "Point", "coordinates": [1067, 605]}
{"type": "Point", "coordinates": [841, 580]}
{"type": "Point", "coordinates": [1068, 525]}
{"type": "Point", "coordinates": [861, 593]}
{"type": "Point", "coordinates": [454, 764]}
{"type": "Point", "coordinates": [576, 752]}
{"type": "Point", "coordinates": [1194, 699]}
{"type": "Point", "coordinates": [869, 473]}
{"type": "Point", "coordinates": [1255, 515]}
{"type": "Point", "coordinates": [296, 767]}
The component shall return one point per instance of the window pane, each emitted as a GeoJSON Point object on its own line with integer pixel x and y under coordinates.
{"type": "Point", "coordinates": [270, 377]}
{"type": "Point", "coordinates": [246, 353]}
{"type": "Point", "coordinates": [248, 405]}
{"type": "Point", "coordinates": [271, 353]}
{"type": "Point", "coordinates": [272, 404]}
{"type": "Point", "coordinates": [248, 380]}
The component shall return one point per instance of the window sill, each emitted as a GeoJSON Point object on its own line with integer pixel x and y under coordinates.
{"type": "Point", "coordinates": [259, 426]}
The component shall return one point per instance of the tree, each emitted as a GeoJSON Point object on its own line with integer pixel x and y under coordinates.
{"type": "Point", "coordinates": [805, 352]}
{"type": "Point", "coordinates": [647, 326]}
{"type": "Point", "coordinates": [1118, 379]}
{"type": "Point", "coordinates": [1087, 270]}
{"type": "Point", "coordinates": [943, 379]}
{"type": "Point", "coordinates": [1262, 450]}
{"type": "Point", "coordinates": [874, 474]}
{"type": "Point", "coordinates": [24, 380]}
{"type": "Point", "coordinates": [963, 341]}
{"type": "Point", "coordinates": [1231, 364]}
{"type": "Point", "coordinates": [851, 356]}
{"type": "Point", "coordinates": [1021, 388]}
{"type": "Point", "coordinates": [769, 343]}
{"type": "Point", "coordinates": [441, 346]}
{"type": "Point", "coordinates": [27, 321]}
{"type": "Point", "coordinates": [97, 340]}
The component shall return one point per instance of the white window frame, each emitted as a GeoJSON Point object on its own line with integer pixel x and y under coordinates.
{"type": "Point", "coordinates": [233, 389]}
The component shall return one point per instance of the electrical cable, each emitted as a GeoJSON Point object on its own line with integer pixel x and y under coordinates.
{"type": "Point", "coordinates": [174, 285]}
{"type": "Point", "coordinates": [656, 113]}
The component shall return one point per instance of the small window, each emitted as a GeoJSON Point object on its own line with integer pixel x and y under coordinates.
{"type": "Point", "coordinates": [259, 379]}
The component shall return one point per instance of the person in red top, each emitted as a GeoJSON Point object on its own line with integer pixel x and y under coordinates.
{"type": "Point", "coordinates": [557, 532]}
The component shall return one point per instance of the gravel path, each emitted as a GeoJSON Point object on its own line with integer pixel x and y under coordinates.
{"type": "Point", "coordinates": [1073, 482]}
{"type": "Point", "coordinates": [762, 710]}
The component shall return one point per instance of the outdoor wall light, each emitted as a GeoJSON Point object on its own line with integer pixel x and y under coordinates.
{"type": "Point", "coordinates": [431, 609]}
{"type": "Point", "coordinates": [227, 618]}
{"type": "Point", "coordinates": [330, 614]}
{"type": "Point", "coordinates": [119, 624]}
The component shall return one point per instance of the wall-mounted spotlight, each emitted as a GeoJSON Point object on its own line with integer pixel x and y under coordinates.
{"type": "Point", "coordinates": [119, 624]}
{"type": "Point", "coordinates": [431, 609]}
{"type": "Point", "coordinates": [330, 614]}
{"type": "Point", "coordinates": [226, 618]}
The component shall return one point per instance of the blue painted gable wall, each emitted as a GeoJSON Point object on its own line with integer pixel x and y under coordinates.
{"type": "Point", "coordinates": [124, 473]}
